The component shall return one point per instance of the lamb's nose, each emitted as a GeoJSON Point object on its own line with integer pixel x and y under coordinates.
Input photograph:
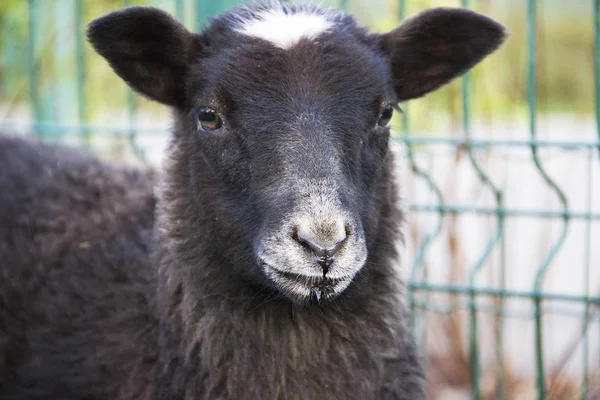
{"type": "Point", "coordinates": [323, 246]}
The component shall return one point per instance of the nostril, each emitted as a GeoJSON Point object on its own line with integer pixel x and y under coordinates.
{"type": "Point", "coordinates": [322, 249]}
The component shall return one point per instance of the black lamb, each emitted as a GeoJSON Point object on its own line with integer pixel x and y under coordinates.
{"type": "Point", "coordinates": [266, 265]}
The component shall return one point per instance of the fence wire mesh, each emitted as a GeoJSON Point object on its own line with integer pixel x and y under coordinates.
{"type": "Point", "coordinates": [503, 272]}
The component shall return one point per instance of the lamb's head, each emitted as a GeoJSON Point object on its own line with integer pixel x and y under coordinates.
{"type": "Point", "coordinates": [282, 116]}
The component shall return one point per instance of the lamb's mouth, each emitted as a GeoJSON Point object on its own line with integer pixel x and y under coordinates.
{"type": "Point", "coordinates": [316, 287]}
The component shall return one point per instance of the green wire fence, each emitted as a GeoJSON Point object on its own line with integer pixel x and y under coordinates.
{"type": "Point", "coordinates": [51, 39]}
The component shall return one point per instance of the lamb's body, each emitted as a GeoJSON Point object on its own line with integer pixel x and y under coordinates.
{"type": "Point", "coordinates": [75, 282]}
{"type": "Point", "coordinates": [80, 318]}
{"type": "Point", "coordinates": [268, 269]}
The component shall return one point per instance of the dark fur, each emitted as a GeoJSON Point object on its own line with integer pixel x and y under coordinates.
{"type": "Point", "coordinates": [74, 278]}
{"type": "Point", "coordinates": [88, 311]}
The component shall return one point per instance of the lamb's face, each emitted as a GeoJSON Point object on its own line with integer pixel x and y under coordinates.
{"type": "Point", "coordinates": [286, 110]}
{"type": "Point", "coordinates": [297, 135]}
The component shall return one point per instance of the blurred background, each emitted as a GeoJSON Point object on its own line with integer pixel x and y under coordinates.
{"type": "Point", "coordinates": [500, 170]}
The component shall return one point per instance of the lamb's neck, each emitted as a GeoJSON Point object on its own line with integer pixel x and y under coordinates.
{"type": "Point", "coordinates": [305, 351]}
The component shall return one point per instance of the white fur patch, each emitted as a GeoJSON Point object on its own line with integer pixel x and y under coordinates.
{"type": "Point", "coordinates": [322, 214]}
{"type": "Point", "coordinates": [284, 30]}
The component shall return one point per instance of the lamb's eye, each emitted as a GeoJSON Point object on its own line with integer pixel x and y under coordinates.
{"type": "Point", "coordinates": [209, 119]}
{"type": "Point", "coordinates": [386, 116]}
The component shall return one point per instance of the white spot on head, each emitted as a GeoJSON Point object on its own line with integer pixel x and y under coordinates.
{"type": "Point", "coordinates": [284, 28]}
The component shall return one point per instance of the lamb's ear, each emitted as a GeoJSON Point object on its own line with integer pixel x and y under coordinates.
{"type": "Point", "coordinates": [147, 48]}
{"type": "Point", "coordinates": [437, 45]}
